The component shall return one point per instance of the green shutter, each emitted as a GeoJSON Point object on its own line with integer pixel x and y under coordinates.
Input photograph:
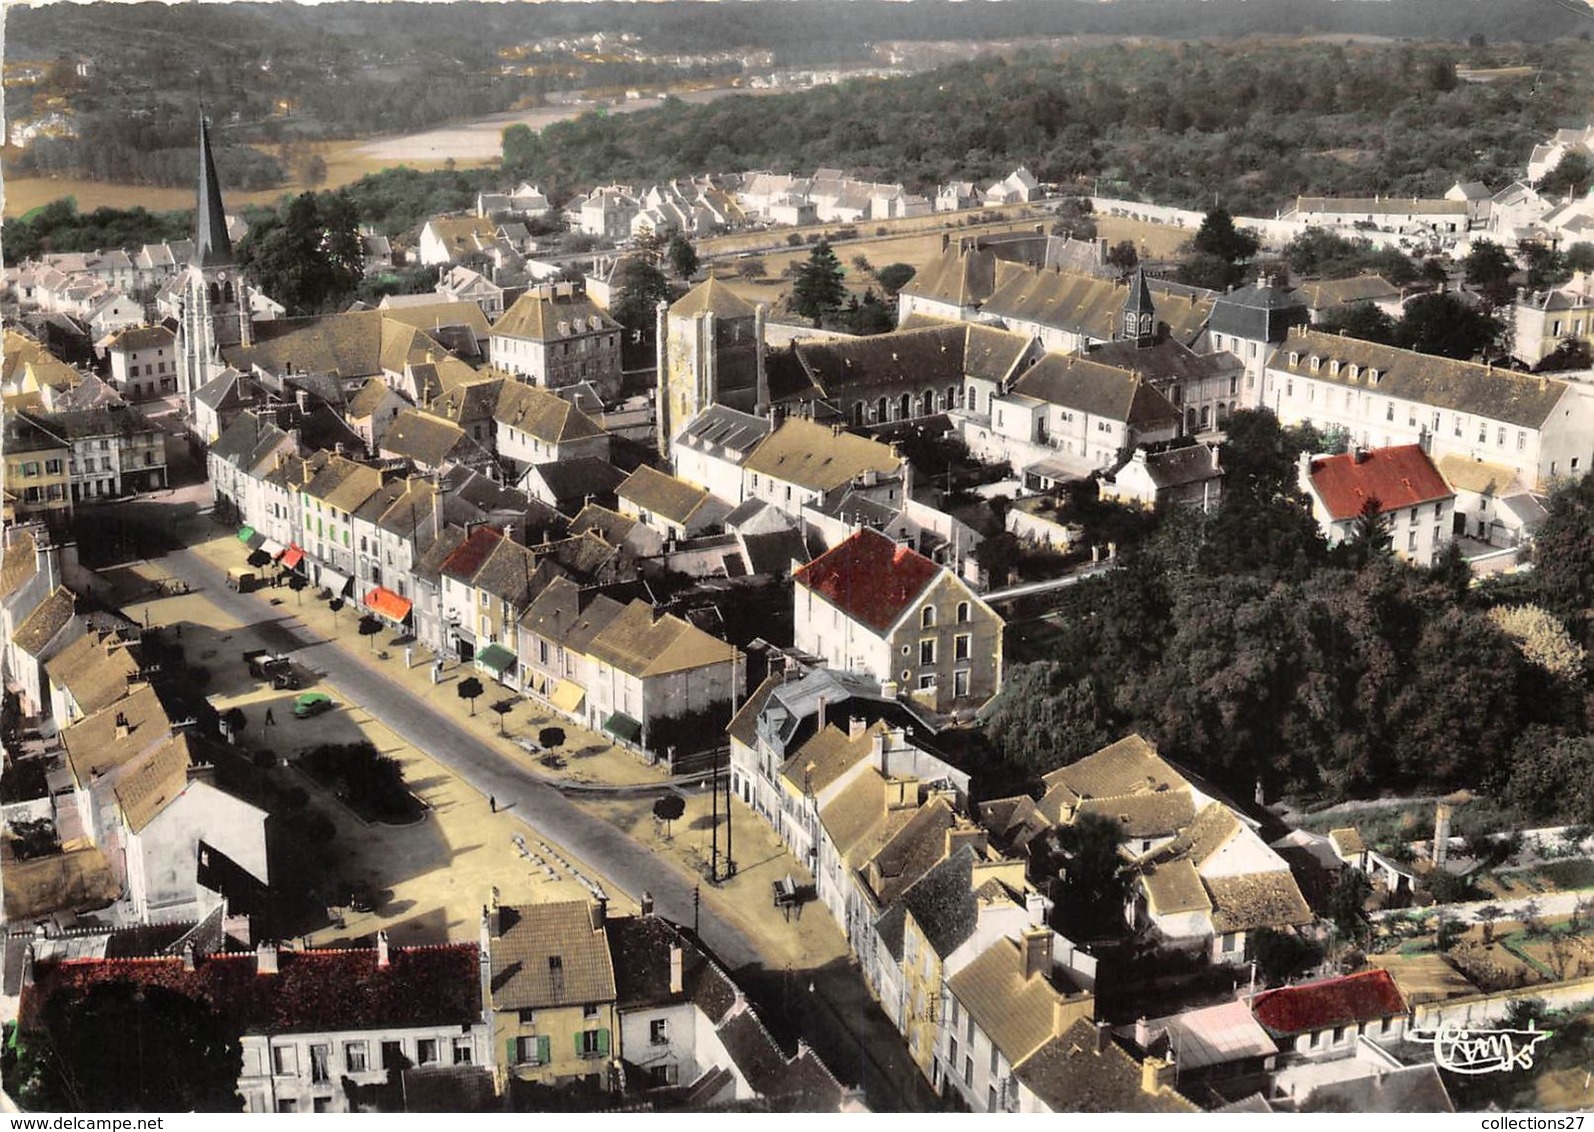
{"type": "Point", "coordinates": [581, 1044]}
{"type": "Point", "coordinates": [509, 1052]}
{"type": "Point", "coordinates": [544, 1053]}
{"type": "Point", "coordinates": [603, 1042]}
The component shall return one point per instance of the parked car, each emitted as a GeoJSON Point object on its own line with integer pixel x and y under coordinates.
{"type": "Point", "coordinates": [311, 703]}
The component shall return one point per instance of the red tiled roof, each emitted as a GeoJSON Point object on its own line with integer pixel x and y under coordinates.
{"type": "Point", "coordinates": [1361, 997]}
{"type": "Point", "coordinates": [1396, 477]}
{"type": "Point", "coordinates": [469, 555]}
{"type": "Point", "coordinates": [312, 992]}
{"type": "Point", "coordinates": [870, 578]}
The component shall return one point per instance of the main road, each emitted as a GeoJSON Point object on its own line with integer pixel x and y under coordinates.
{"type": "Point", "coordinates": [893, 1084]}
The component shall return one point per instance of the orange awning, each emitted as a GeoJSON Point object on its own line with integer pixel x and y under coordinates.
{"type": "Point", "coordinates": [293, 557]}
{"type": "Point", "coordinates": [388, 604]}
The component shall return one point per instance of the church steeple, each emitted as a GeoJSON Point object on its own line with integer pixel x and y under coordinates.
{"type": "Point", "coordinates": [1140, 315]}
{"type": "Point", "coordinates": [212, 245]}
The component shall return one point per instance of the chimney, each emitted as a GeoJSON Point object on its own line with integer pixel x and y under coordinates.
{"type": "Point", "coordinates": [1359, 454]}
{"type": "Point", "coordinates": [856, 727]}
{"type": "Point", "coordinates": [302, 397]}
{"type": "Point", "coordinates": [677, 984]}
{"type": "Point", "coordinates": [1156, 1074]}
{"type": "Point", "coordinates": [266, 959]}
{"type": "Point", "coordinates": [1303, 466]}
{"type": "Point", "coordinates": [1035, 908]}
{"type": "Point", "coordinates": [824, 702]}
{"type": "Point", "coordinates": [123, 728]}
{"type": "Point", "coordinates": [1036, 951]}
{"type": "Point", "coordinates": [647, 903]}
{"type": "Point", "coordinates": [381, 949]}
{"type": "Point", "coordinates": [1261, 794]}
{"type": "Point", "coordinates": [188, 956]}
{"type": "Point", "coordinates": [1103, 1036]}
{"type": "Point", "coordinates": [1142, 1032]}
{"type": "Point", "coordinates": [1441, 835]}
{"type": "Point", "coordinates": [1214, 451]}
{"type": "Point", "coordinates": [888, 690]}
{"type": "Point", "coordinates": [960, 835]}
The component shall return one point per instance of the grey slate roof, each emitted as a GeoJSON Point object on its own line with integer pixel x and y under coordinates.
{"type": "Point", "coordinates": [1256, 312]}
{"type": "Point", "coordinates": [943, 903]}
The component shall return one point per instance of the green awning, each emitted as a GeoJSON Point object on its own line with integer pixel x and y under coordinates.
{"type": "Point", "coordinates": [245, 534]}
{"type": "Point", "coordinates": [495, 658]}
{"type": "Point", "coordinates": [623, 727]}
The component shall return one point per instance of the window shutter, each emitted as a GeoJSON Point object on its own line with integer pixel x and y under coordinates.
{"type": "Point", "coordinates": [580, 1045]}
{"type": "Point", "coordinates": [510, 1050]}
{"type": "Point", "coordinates": [603, 1042]}
{"type": "Point", "coordinates": [544, 1054]}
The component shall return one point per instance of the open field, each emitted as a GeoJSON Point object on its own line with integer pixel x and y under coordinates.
{"type": "Point", "coordinates": [467, 144]}
{"type": "Point", "coordinates": [916, 242]}
{"type": "Point", "coordinates": [347, 162]}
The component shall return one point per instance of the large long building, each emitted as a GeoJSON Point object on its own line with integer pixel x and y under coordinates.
{"type": "Point", "coordinates": [1382, 397]}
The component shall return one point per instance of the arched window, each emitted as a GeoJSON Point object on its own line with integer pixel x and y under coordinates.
{"type": "Point", "coordinates": [1190, 419]}
{"type": "Point", "coordinates": [963, 613]}
{"type": "Point", "coordinates": [1205, 416]}
{"type": "Point", "coordinates": [1223, 412]}
{"type": "Point", "coordinates": [214, 293]}
{"type": "Point", "coordinates": [880, 410]}
{"type": "Point", "coordinates": [927, 403]}
{"type": "Point", "coordinates": [226, 293]}
{"type": "Point", "coordinates": [951, 396]}
{"type": "Point", "coordinates": [927, 617]}
{"type": "Point", "coordinates": [904, 406]}
{"type": "Point", "coordinates": [857, 412]}
{"type": "Point", "coordinates": [974, 399]}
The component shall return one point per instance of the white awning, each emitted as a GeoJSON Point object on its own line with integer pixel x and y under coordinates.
{"type": "Point", "coordinates": [334, 581]}
{"type": "Point", "coordinates": [272, 547]}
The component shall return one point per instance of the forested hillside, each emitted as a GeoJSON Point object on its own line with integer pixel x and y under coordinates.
{"type": "Point", "coordinates": [1255, 124]}
{"type": "Point", "coordinates": [273, 75]}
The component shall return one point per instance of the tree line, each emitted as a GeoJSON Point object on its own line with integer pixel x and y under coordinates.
{"type": "Point", "coordinates": [1258, 125]}
{"type": "Point", "coordinates": [1253, 653]}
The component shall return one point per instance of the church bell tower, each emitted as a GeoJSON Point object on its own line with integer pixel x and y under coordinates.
{"type": "Point", "coordinates": [215, 309]}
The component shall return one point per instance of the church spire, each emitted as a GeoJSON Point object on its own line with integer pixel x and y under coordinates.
{"type": "Point", "coordinates": [212, 245]}
{"type": "Point", "coordinates": [1140, 315]}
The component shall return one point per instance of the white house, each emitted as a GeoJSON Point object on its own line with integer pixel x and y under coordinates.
{"type": "Point", "coordinates": [874, 605]}
{"type": "Point", "coordinates": [1382, 397]}
{"type": "Point", "coordinates": [1413, 501]}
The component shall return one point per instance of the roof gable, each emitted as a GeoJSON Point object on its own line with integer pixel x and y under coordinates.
{"type": "Point", "coordinates": [870, 578]}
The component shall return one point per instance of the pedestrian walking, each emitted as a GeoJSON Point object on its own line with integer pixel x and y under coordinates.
{"type": "Point", "coordinates": [270, 720]}
{"type": "Point", "coordinates": [492, 803]}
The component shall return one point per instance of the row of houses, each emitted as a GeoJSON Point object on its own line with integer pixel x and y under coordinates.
{"type": "Point", "coordinates": [949, 932]}
{"type": "Point", "coordinates": [706, 204]}
{"type": "Point", "coordinates": [128, 793]}
{"type": "Point", "coordinates": [625, 1010]}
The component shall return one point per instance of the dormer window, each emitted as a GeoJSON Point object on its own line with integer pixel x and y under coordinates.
{"type": "Point", "coordinates": [1333, 368]}
{"type": "Point", "coordinates": [1295, 358]}
{"type": "Point", "coordinates": [1355, 371]}
{"type": "Point", "coordinates": [1316, 361]}
{"type": "Point", "coordinates": [1372, 377]}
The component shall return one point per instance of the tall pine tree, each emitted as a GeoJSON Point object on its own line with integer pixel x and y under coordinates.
{"type": "Point", "coordinates": [818, 290]}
